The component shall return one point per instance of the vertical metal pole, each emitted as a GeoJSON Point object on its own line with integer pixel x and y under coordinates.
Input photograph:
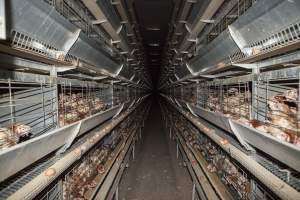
{"type": "Point", "coordinates": [61, 189]}
{"type": "Point", "coordinates": [177, 150]}
{"type": "Point", "coordinates": [11, 104]}
{"type": "Point", "coordinates": [2, 20]}
{"type": "Point", "coordinates": [43, 105]}
{"type": "Point", "coordinates": [112, 94]}
{"type": "Point", "coordinates": [194, 192]}
{"type": "Point", "coordinates": [117, 193]}
{"type": "Point", "coordinates": [140, 133]}
{"type": "Point", "coordinates": [133, 152]}
{"type": "Point", "coordinates": [254, 112]}
{"type": "Point", "coordinates": [53, 83]}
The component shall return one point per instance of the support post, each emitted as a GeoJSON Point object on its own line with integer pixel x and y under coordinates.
{"type": "Point", "coordinates": [117, 193]}
{"type": "Point", "coordinates": [177, 150]}
{"type": "Point", "coordinates": [194, 192]}
{"type": "Point", "coordinates": [133, 152]}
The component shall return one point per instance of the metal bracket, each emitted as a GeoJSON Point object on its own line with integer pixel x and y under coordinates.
{"type": "Point", "coordinates": [132, 77]}
{"type": "Point", "coordinates": [115, 2]}
{"type": "Point", "coordinates": [191, 110]}
{"type": "Point", "coordinates": [175, 50]}
{"type": "Point", "coordinates": [133, 50]}
{"type": "Point", "coordinates": [178, 103]}
{"type": "Point", "coordinates": [207, 21]}
{"type": "Point", "coordinates": [119, 70]}
{"type": "Point", "coordinates": [114, 41]}
{"type": "Point", "coordinates": [188, 28]}
{"type": "Point", "coordinates": [190, 69]}
{"type": "Point", "coordinates": [99, 21]}
{"type": "Point", "coordinates": [184, 52]}
{"type": "Point", "coordinates": [70, 42]}
{"type": "Point", "coordinates": [70, 140]}
{"type": "Point", "coordinates": [240, 138]}
{"type": "Point", "coordinates": [195, 40]}
{"type": "Point", "coordinates": [240, 42]}
{"type": "Point", "coordinates": [119, 29]}
{"type": "Point", "coordinates": [119, 111]}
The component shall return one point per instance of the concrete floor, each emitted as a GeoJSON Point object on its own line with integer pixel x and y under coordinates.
{"type": "Point", "coordinates": [156, 173]}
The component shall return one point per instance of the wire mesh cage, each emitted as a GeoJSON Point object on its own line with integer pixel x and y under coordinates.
{"type": "Point", "coordinates": [26, 110]}
{"type": "Point", "coordinates": [189, 93]}
{"type": "Point", "coordinates": [230, 98]}
{"type": "Point", "coordinates": [30, 44]}
{"type": "Point", "coordinates": [77, 14]}
{"type": "Point", "coordinates": [121, 94]}
{"type": "Point", "coordinates": [54, 193]}
{"type": "Point", "coordinates": [81, 181]}
{"type": "Point", "coordinates": [276, 108]}
{"type": "Point", "coordinates": [80, 100]}
{"type": "Point", "coordinates": [283, 38]}
{"type": "Point", "coordinates": [217, 161]}
{"type": "Point", "coordinates": [236, 100]}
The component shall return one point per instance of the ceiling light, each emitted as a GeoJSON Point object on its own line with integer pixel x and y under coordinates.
{"type": "Point", "coordinates": [153, 29]}
{"type": "Point", "coordinates": [154, 44]}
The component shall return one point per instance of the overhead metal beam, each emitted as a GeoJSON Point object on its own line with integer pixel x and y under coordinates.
{"type": "Point", "coordinates": [97, 12]}
{"type": "Point", "coordinates": [200, 23]}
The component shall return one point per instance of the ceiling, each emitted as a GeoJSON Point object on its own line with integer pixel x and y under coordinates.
{"type": "Point", "coordinates": [153, 17]}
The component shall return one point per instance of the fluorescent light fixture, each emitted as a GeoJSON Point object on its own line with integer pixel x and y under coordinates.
{"type": "Point", "coordinates": [153, 29]}
{"type": "Point", "coordinates": [154, 44]}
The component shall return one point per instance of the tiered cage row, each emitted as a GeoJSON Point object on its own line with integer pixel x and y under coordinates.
{"type": "Point", "coordinates": [30, 109]}
{"type": "Point", "coordinates": [260, 110]}
{"type": "Point", "coordinates": [268, 104]}
{"type": "Point", "coordinates": [234, 177]}
{"type": "Point", "coordinates": [79, 101]}
{"type": "Point", "coordinates": [83, 179]}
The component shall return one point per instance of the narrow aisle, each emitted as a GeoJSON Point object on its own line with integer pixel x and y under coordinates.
{"type": "Point", "coordinates": [155, 173]}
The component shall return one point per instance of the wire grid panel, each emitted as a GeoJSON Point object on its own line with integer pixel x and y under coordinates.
{"type": "Point", "coordinates": [76, 13]}
{"type": "Point", "coordinates": [189, 93]}
{"type": "Point", "coordinates": [120, 94]}
{"type": "Point", "coordinates": [276, 105]}
{"type": "Point", "coordinates": [237, 99]}
{"type": "Point", "coordinates": [202, 94]}
{"type": "Point", "coordinates": [240, 8]}
{"type": "Point", "coordinates": [78, 101]}
{"type": "Point", "coordinates": [26, 110]}
{"type": "Point", "coordinates": [28, 43]}
{"type": "Point", "coordinates": [283, 38]}
{"type": "Point", "coordinates": [54, 193]}
{"type": "Point", "coordinates": [232, 99]}
{"type": "Point", "coordinates": [235, 178]}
